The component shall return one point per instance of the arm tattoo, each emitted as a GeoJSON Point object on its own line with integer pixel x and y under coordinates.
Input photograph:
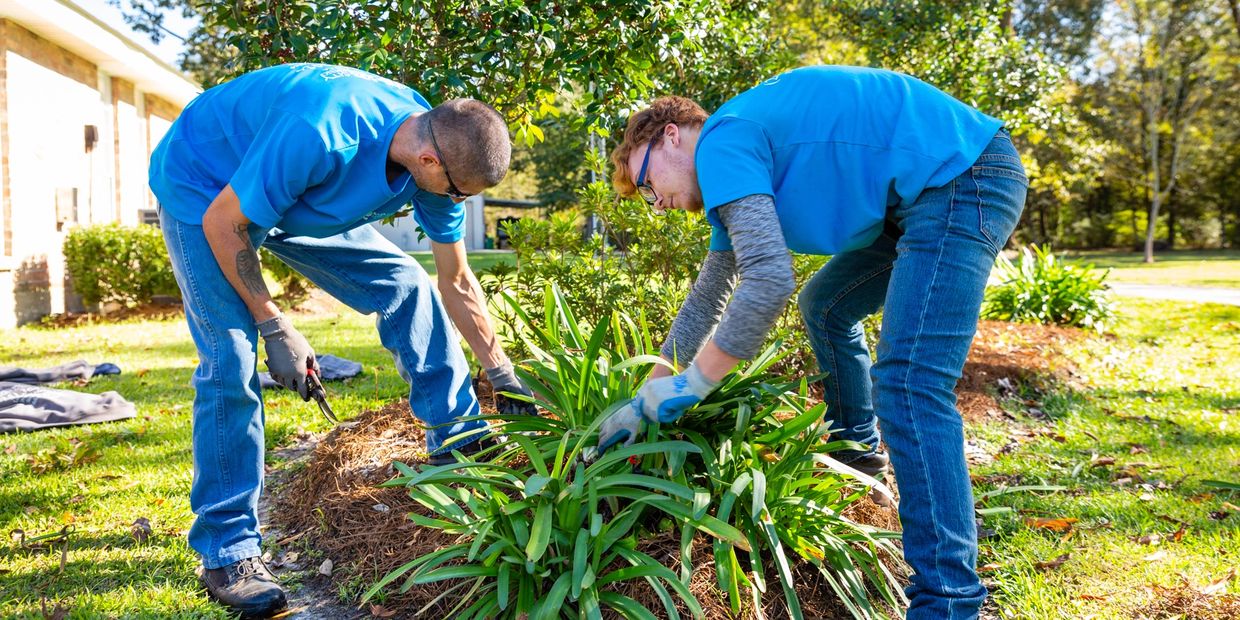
{"type": "Point", "coordinates": [248, 267]}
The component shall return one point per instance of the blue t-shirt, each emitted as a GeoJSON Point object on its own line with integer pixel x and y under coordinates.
{"type": "Point", "coordinates": [305, 146]}
{"type": "Point", "coordinates": [835, 147]}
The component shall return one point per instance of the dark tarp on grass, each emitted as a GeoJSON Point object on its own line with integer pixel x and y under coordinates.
{"type": "Point", "coordinates": [26, 407]}
{"type": "Point", "coordinates": [63, 372]}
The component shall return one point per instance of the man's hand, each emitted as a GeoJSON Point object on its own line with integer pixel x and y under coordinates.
{"type": "Point", "coordinates": [289, 355]}
{"type": "Point", "coordinates": [665, 399]}
{"type": "Point", "coordinates": [504, 379]}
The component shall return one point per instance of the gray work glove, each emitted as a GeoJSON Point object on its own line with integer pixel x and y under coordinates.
{"type": "Point", "coordinates": [504, 379]}
{"type": "Point", "coordinates": [663, 400]}
{"type": "Point", "coordinates": [622, 425]}
{"type": "Point", "coordinates": [289, 355]}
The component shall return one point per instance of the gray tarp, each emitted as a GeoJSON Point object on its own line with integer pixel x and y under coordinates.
{"type": "Point", "coordinates": [31, 407]}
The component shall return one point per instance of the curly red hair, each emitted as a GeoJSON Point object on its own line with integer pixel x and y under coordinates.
{"type": "Point", "coordinates": [643, 126]}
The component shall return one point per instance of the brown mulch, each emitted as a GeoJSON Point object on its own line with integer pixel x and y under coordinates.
{"type": "Point", "coordinates": [1012, 354]}
{"type": "Point", "coordinates": [144, 312]}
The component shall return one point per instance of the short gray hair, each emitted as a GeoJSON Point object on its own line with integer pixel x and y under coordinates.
{"type": "Point", "coordinates": [474, 137]}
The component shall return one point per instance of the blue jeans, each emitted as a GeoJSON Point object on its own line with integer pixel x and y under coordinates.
{"type": "Point", "coordinates": [360, 268]}
{"type": "Point", "coordinates": [928, 278]}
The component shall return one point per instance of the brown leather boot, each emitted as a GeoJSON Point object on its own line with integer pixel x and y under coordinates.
{"type": "Point", "coordinates": [245, 586]}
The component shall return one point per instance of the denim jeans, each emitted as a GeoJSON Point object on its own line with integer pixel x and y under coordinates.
{"type": "Point", "coordinates": [363, 270]}
{"type": "Point", "coordinates": [928, 279]}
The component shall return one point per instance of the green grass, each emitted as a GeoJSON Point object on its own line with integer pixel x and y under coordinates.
{"type": "Point", "coordinates": [1172, 362]}
{"type": "Point", "coordinates": [478, 259]}
{"type": "Point", "coordinates": [1179, 370]}
{"type": "Point", "coordinates": [1176, 267]}
{"type": "Point", "coordinates": [144, 469]}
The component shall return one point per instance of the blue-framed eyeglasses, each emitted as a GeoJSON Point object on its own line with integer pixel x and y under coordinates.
{"type": "Point", "coordinates": [643, 188]}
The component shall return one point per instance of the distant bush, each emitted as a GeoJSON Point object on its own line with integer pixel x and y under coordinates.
{"type": "Point", "coordinates": [125, 264]}
{"type": "Point", "coordinates": [1040, 289]}
{"type": "Point", "coordinates": [291, 288]}
{"type": "Point", "coordinates": [129, 265]}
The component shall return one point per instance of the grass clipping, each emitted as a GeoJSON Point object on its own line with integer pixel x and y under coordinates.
{"type": "Point", "coordinates": [336, 502]}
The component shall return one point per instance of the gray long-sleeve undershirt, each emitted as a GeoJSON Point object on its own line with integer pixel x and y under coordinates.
{"type": "Point", "coordinates": [760, 257]}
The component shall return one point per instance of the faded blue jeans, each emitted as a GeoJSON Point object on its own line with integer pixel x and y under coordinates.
{"type": "Point", "coordinates": [360, 268]}
{"type": "Point", "coordinates": [928, 278]}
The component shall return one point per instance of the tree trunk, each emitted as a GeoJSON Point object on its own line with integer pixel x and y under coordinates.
{"type": "Point", "coordinates": [1171, 219]}
{"type": "Point", "coordinates": [1155, 205]}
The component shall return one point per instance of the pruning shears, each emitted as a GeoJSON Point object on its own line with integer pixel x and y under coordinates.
{"type": "Point", "coordinates": [319, 395]}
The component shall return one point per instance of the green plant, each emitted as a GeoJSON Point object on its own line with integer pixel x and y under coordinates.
{"type": "Point", "coordinates": [125, 264]}
{"type": "Point", "coordinates": [539, 524]}
{"type": "Point", "coordinates": [542, 533]}
{"type": "Point", "coordinates": [294, 288]}
{"type": "Point", "coordinates": [1041, 289]}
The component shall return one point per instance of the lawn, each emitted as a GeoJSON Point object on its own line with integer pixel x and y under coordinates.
{"type": "Point", "coordinates": [1176, 267]}
{"type": "Point", "coordinates": [478, 259]}
{"type": "Point", "coordinates": [1160, 398]}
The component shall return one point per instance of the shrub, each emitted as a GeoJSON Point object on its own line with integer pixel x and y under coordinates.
{"type": "Point", "coordinates": [125, 264]}
{"type": "Point", "coordinates": [293, 287]}
{"type": "Point", "coordinates": [548, 530]}
{"type": "Point", "coordinates": [1040, 289]}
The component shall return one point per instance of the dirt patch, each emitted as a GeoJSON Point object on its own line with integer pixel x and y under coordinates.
{"type": "Point", "coordinates": [144, 312]}
{"type": "Point", "coordinates": [1006, 356]}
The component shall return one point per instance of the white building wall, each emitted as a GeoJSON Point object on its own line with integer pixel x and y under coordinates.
{"type": "Point", "coordinates": [47, 115]}
{"type": "Point", "coordinates": [403, 232]}
{"type": "Point", "coordinates": [132, 161]}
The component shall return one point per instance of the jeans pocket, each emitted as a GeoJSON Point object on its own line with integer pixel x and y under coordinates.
{"type": "Point", "coordinates": [1001, 199]}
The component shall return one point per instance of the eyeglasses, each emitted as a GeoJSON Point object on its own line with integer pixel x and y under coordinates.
{"type": "Point", "coordinates": [643, 188]}
{"type": "Point", "coordinates": [453, 191]}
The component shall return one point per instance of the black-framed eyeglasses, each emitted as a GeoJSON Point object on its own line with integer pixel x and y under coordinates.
{"type": "Point", "coordinates": [643, 188]}
{"type": "Point", "coordinates": [453, 191]}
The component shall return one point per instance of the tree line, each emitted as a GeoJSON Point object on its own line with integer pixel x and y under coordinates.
{"type": "Point", "coordinates": [1125, 111]}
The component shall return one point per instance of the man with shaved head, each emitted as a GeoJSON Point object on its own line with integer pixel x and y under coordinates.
{"type": "Point", "coordinates": [299, 159]}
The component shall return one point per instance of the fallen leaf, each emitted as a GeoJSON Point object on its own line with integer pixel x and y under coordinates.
{"type": "Point", "coordinates": [1055, 563]}
{"type": "Point", "coordinates": [379, 611]}
{"type": "Point", "coordinates": [1219, 515]}
{"type": "Point", "coordinates": [1138, 449]}
{"type": "Point", "coordinates": [141, 529]}
{"type": "Point", "coordinates": [1146, 497]}
{"type": "Point", "coordinates": [1092, 597]}
{"type": "Point", "coordinates": [380, 507]}
{"type": "Point", "coordinates": [1150, 539]}
{"type": "Point", "coordinates": [326, 568]}
{"type": "Point", "coordinates": [76, 499]}
{"type": "Point", "coordinates": [1101, 461]}
{"type": "Point", "coordinates": [1220, 584]}
{"type": "Point", "coordinates": [1055, 525]}
{"type": "Point", "coordinates": [1156, 556]}
{"type": "Point", "coordinates": [986, 568]}
{"type": "Point", "coordinates": [1179, 534]}
{"type": "Point", "coordinates": [1201, 497]}
{"type": "Point", "coordinates": [10, 449]}
{"type": "Point", "coordinates": [1230, 506]}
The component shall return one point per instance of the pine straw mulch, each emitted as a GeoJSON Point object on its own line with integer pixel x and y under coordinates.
{"type": "Point", "coordinates": [1006, 356]}
{"type": "Point", "coordinates": [335, 502]}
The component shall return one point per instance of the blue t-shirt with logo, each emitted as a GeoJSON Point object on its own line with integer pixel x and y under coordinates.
{"type": "Point", "coordinates": [305, 147]}
{"type": "Point", "coordinates": [835, 147]}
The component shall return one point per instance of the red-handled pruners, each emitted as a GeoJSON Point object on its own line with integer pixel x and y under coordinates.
{"type": "Point", "coordinates": [315, 387]}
